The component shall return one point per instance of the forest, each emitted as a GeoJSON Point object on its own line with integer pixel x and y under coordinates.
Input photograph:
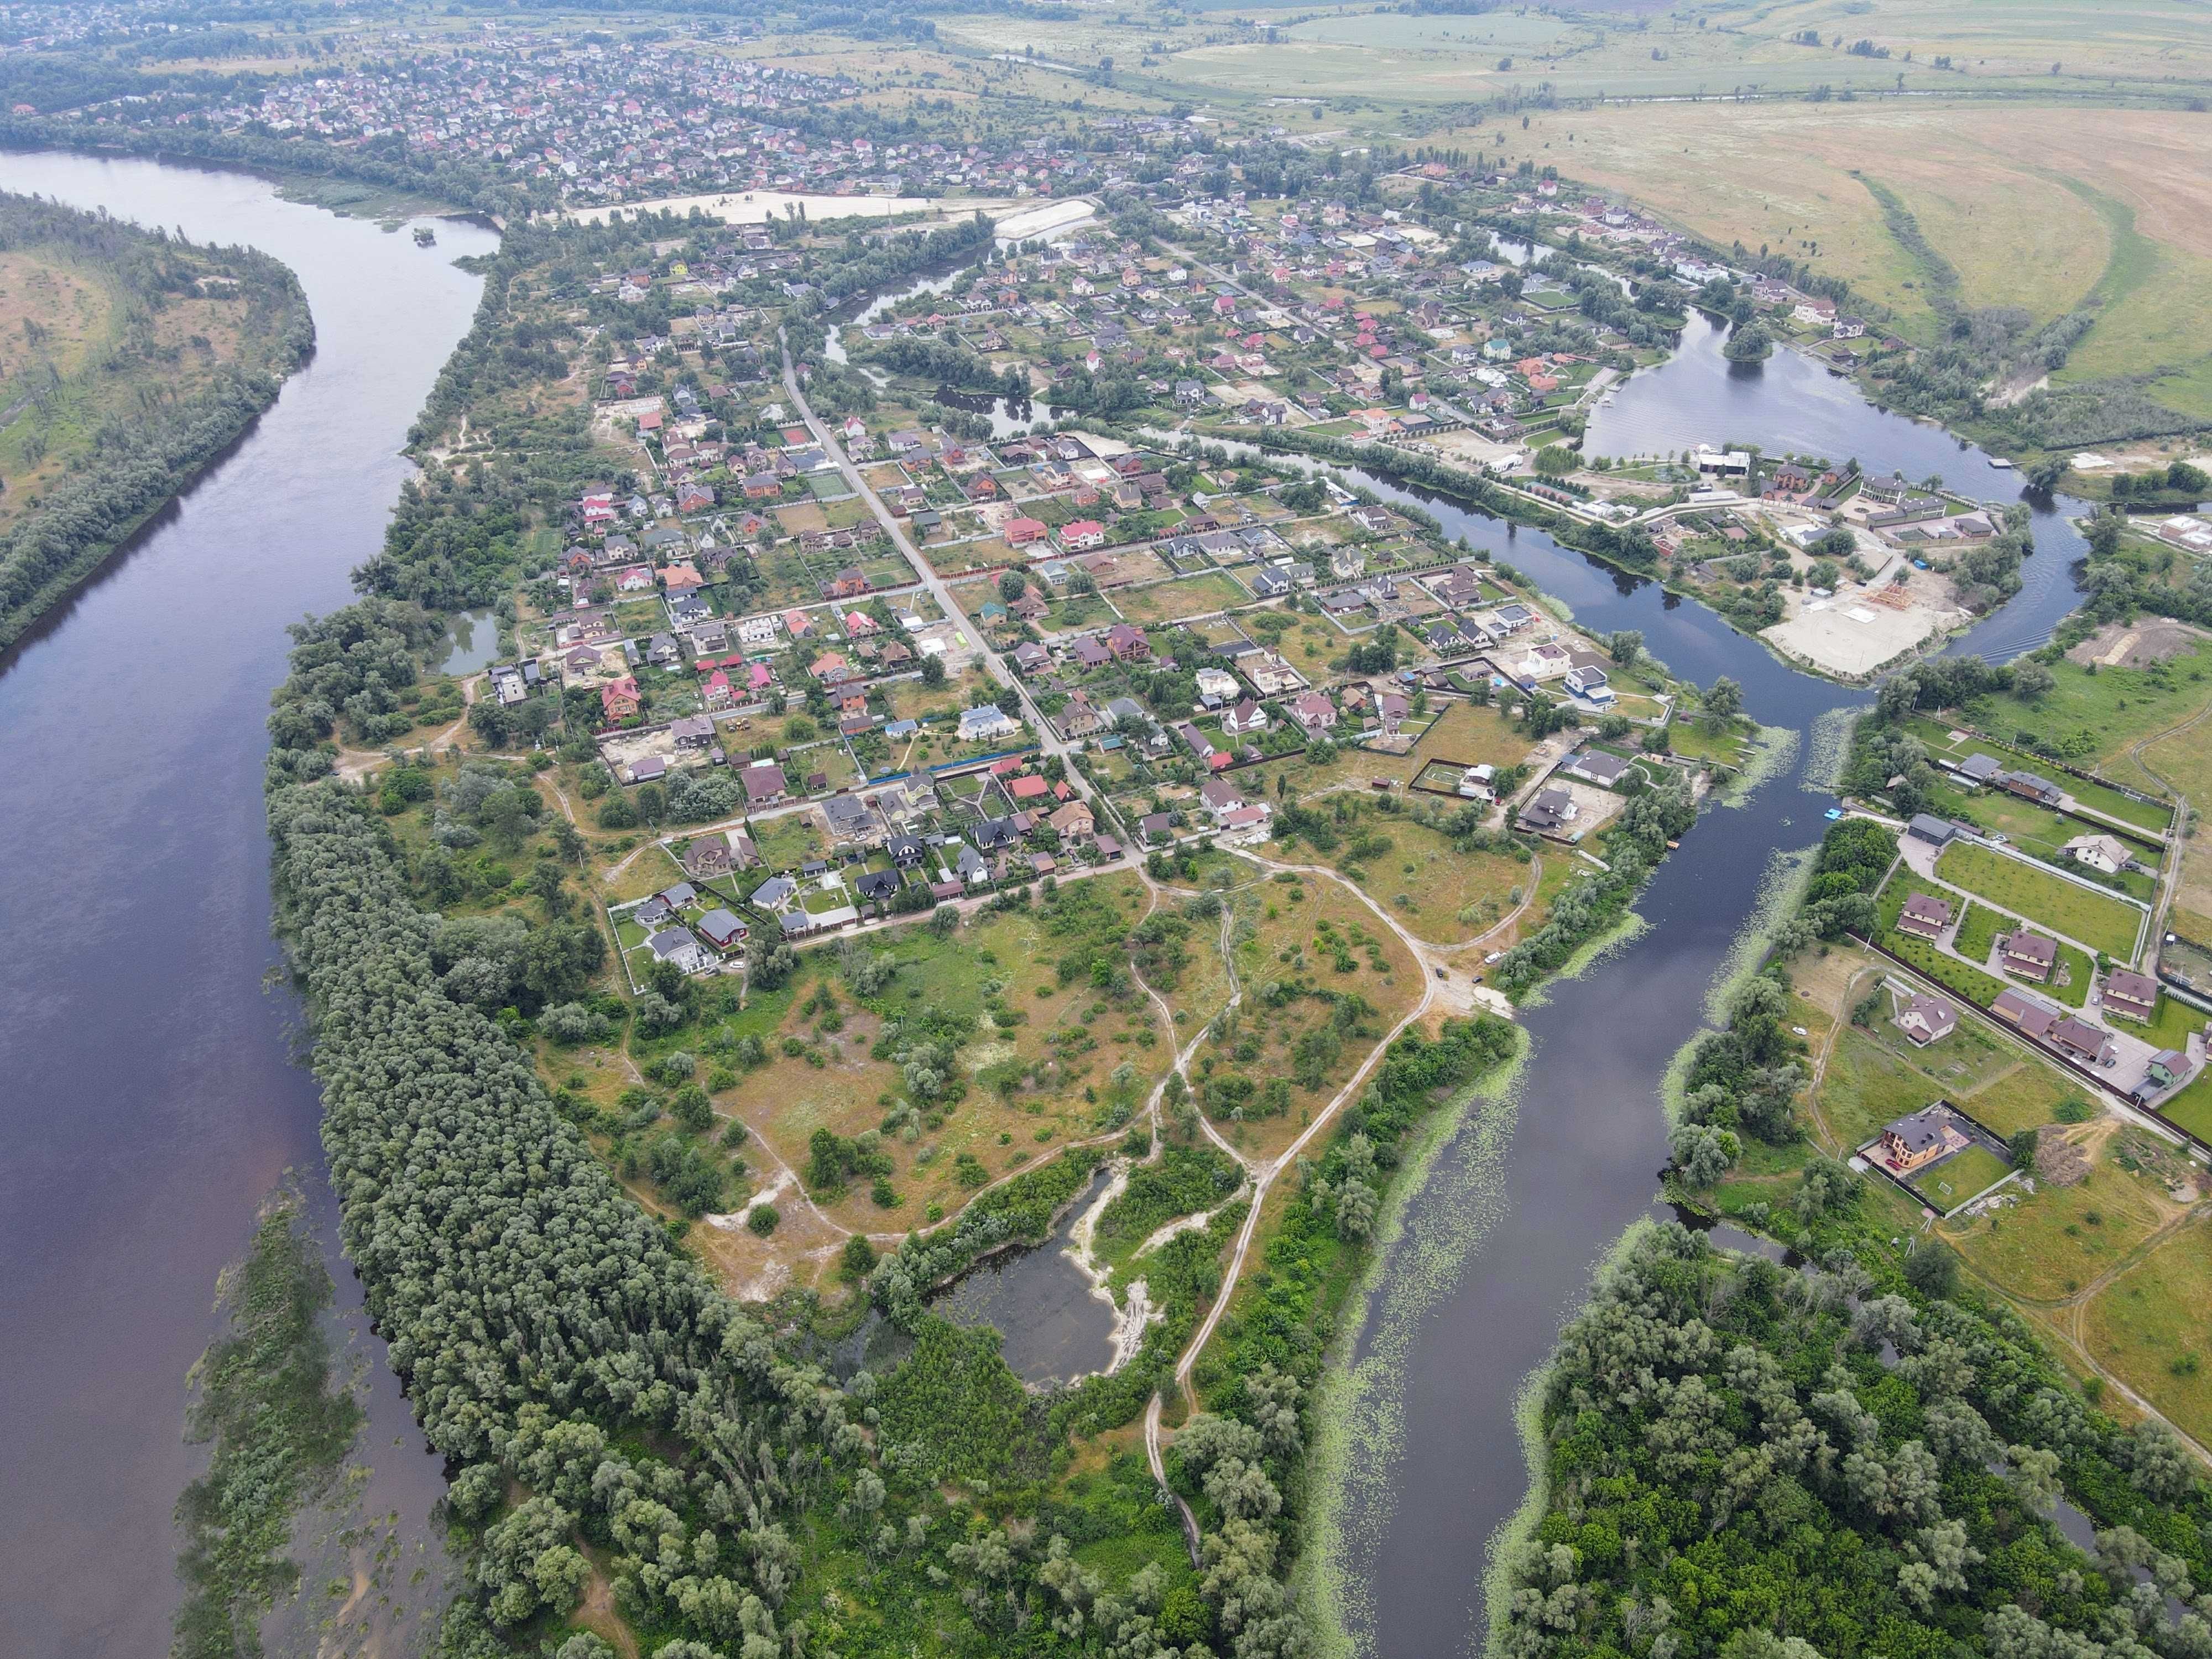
{"type": "Point", "coordinates": [1764, 1463]}
{"type": "Point", "coordinates": [135, 464]}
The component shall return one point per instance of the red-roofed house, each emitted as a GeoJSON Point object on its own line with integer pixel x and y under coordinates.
{"type": "Point", "coordinates": [619, 699]}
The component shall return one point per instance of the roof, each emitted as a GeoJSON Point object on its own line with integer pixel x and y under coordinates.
{"type": "Point", "coordinates": [1926, 906]}
{"type": "Point", "coordinates": [1592, 764]}
{"type": "Point", "coordinates": [670, 942]}
{"type": "Point", "coordinates": [2130, 985]}
{"type": "Point", "coordinates": [1928, 827]}
{"type": "Point", "coordinates": [2030, 947]}
{"type": "Point", "coordinates": [1922, 1130]}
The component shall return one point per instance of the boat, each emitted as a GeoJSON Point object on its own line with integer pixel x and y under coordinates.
{"type": "Point", "coordinates": [424, 236]}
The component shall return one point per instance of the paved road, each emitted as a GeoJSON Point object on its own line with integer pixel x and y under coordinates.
{"type": "Point", "coordinates": [1048, 740]}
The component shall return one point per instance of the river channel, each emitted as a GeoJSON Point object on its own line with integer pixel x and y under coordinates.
{"type": "Point", "coordinates": [152, 1099]}
{"type": "Point", "coordinates": [1498, 1246]}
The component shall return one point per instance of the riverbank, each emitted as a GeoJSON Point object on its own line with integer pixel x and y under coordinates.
{"type": "Point", "coordinates": [135, 377]}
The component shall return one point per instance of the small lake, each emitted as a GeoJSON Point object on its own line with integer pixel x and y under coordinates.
{"type": "Point", "coordinates": [1055, 1329]}
{"type": "Point", "coordinates": [472, 643]}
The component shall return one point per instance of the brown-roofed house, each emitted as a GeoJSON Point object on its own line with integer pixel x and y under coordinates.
{"type": "Point", "coordinates": [1924, 916]}
{"type": "Point", "coordinates": [2129, 994]}
{"type": "Point", "coordinates": [2029, 955]}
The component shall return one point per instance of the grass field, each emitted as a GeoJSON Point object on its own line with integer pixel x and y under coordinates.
{"type": "Point", "coordinates": [2050, 901]}
{"type": "Point", "coordinates": [1959, 1177]}
{"type": "Point", "coordinates": [2050, 1244]}
{"type": "Point", "coordinates": [1192, 596]}
{"type": "Point", "coordinates": [2152, 1326]}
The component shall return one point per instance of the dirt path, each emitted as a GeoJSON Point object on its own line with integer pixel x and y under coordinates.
{"type": "Point", "coordinates": [354, 764]}
{"type": "Point", "coordinates": [1264, 1175]}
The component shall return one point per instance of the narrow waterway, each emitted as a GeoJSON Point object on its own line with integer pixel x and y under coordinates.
{"type": "Point", "coordinates": [1499, 1245]}
{"type": "Point", "coordinates": [152, 1098]}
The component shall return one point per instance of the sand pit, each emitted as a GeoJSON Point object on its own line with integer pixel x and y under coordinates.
{"type": "Point", "coordinates": [1851, 635]}
{"type": "Point", "coordinates": [2134, 645]}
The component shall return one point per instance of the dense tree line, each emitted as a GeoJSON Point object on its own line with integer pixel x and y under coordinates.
{"type": "Point", "coordinates": [1597, 898]}
{"type": "Point", "coordinates": [1759, 1464]}
{"type": "Point", "coordinates": [137, 464]}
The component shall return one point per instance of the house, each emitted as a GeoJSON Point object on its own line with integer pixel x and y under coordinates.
{"type": "Point", "coordinates": [649, 770]}
{"type": "Point", "coordinates": [1247, 824]}
{"type": "Point", "coordinates": [1590, 685]}
{"type": "Point", "coordinates": [722, 929]}
{"type": "Point", "coordinates": [1029, 788]}
{"type": "Point", "coordinates": [1594, 767]}
{"type": "Point", "coordinates": [1928, 1019]}
{"type": "Point", "coordinates": [1926, 826]}
{"type": "Point", "coordinates": [1020, 533]}
{"type": "Point", "coordinates": [2028, 787]}
{"type": "Point", "coordinates": [775, 891]}
{"type": "Point", "coordinates": [849, 818]}
{"type": "Point", "coordinates": [693, 732]}
{"type": "Point", "coordinates": [1271, 676]}
{"type": "Point", "coordinates": [1246, 716]}
{"type": "Point", "coordinates": [993, 834]}
{"type": "Point", "coordinates": [1924, 916]}
{"type": "Point", "coordinates": [681, 946]}
{"type": "Point", "coordinates": [709, 855]}
{"type": "Point", "coordinates": [1912, 1142]}
{"type": "Point", "coordinates": [1313, 712]}
{"type": "Point", "coordinates": [1216, 686]}
{"type": "Point", "coordinates": [907, 850]}
{"type": "Point", "coordinates": [987, 723]}
{"type": "Point", "coordinates": [1478, 783]}
{"type": "Point", "coordinates": [1082, 534]}
{"type": "Point", "coordinates": [2029, 955]}
{"type": "Point", "coordinates": [2031, 1018]}
{"type": "Point", "coordinates": [1157, 828]}
{"type": "Point", "coordinates": [2106, 853]}
{"type": "Point", "coordinates": [1128, 644]}
{"type": "Point", "coordinates": [1090, 653]}
{"type": "Point", "coordinates": [1270, 583]}
{"type": "Point", "coordinates": [877, 884]}
{"type": "Point", "coordinates": [1978, 769]}
{"type": "Point", "coordinates": [764, 786]}
{"type": "Point", "coordinates": [971, 867]}
{"type": "Point", "coordinates": [1550, 813]}
{"type": "Point", "coordinates": [848, 583]}
{"type": "Point", "coordinates": [619, 699]}
{"type": "Point", "coordinates": [2078, 1039]}
{"type": "Point", "coordinates": [1219, 796]}
{"type": "Point", "coordinates": [2168, 1068]}
{"type": "Point", "coordinates": [2129, 994]}
{"type": "Point", "coordinates": [1074, 820]}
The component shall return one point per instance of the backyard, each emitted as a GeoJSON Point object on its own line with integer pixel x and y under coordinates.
{"type": "Point", "coordinates": [2103, 923]}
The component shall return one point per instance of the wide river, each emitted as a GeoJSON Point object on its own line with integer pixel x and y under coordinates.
{"type": "Point", "coordinates": [153, 1100]}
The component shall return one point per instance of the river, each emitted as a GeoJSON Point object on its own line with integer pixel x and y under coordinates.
{"type": "Point", "coordinates": [1500, 1244]}
{"type": "Point", "coordinates": [153, 1099]}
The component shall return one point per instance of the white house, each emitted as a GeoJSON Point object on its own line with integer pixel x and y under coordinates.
{"type": "Point", "coordinates": [1590, 685]}
{"type": "Point", "coordinates": [986, 722]}
{"type": "Point", "coordinates": [2105, 853]}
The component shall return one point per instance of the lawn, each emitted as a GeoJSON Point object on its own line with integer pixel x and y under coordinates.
{"type": "Point", "coordinates": [2026, 1096]}
{"type": "Point", "coordinates": [2192, 1108]}
{"type": "Point", "coordinates": [2095, 717]}
{"type": "Point", "coordinates": [1958, 1177]}
{"type": "Point", "coordinates": [2103, 923]}
{"type": "Point", "coordinates": [1977, 932]}
{"type": "Point", "coordinates": [2151, 1326]}
{"type": "Point", "coordinates": [1191, 596]}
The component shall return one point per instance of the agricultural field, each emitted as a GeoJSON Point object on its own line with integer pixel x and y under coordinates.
{"type": "Point", "coordinates": [2037, 207]}
{"type": "Point", "coordinates": [2048, 900]}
